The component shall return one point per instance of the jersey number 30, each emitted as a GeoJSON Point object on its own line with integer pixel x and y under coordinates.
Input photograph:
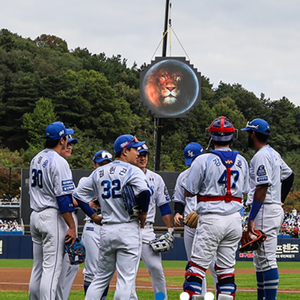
{"type": "Point", "coordinates": [37, 178]}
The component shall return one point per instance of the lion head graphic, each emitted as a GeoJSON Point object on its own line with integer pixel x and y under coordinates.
{"type": "Point", "coordinates": [170, 87]}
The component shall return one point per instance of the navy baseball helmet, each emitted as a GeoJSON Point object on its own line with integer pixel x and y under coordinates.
{"type": "Point", "coordinates": [57, 130]}
{"type": "Point", "coordinates": [258, 125]}
{"type": "Point", "coordinates": [221, 130]}
{"type": "Point", "coordinates": [191, 151]}
{"type": "Point", "coordinates": [143, 148]}
{"type": "Point", "coordinates": [101, 156]}
{"type": "Point", "coordinates": [126, 141]}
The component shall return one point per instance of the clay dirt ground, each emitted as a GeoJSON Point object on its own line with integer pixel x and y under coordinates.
{"type": "Point", "coordinates": [12, 279]}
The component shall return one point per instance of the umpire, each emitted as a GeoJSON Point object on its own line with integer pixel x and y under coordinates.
{"type": "Point", "coordinates": [270, 182]}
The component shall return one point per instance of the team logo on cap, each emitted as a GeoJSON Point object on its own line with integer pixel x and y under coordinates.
{"type": "Point", "coordinates": [190, 153]}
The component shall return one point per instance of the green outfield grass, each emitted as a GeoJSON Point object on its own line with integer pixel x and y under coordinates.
{"type": "Point", "coordinates": [287, 281]}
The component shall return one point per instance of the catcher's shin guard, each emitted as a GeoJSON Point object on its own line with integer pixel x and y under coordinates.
{"type": "Point", "coordinates": [226, 286]}
{"type": "Point", "coordinates": [193, 279]}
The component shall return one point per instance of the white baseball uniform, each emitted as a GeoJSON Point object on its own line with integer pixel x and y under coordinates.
{"type": "Point", "coordinates": [120, 240]}
{"type": "Point", "coordinates": [267, 167]}
{"type": "Point", "coordinates": [151, 259]}
{"type": "Point", "coordinates": [68, 272]}
{"type": "Point", "coordinates": [219, 227]}
{"type": "Point", "coordinates": [190, 204]}
{"type": "Point", "coordinates": [51, 177]}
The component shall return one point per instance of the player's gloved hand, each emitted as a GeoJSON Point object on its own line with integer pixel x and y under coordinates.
{"type": "Point", "coordinates": [97, 219]}
{"type": "Point", "coordinates": [177, 218]}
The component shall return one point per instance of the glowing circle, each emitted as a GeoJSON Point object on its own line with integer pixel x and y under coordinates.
{"type": "Point", "coordinates": [184, 296]}
{"type": "Point", "coordinates": [209, 296]}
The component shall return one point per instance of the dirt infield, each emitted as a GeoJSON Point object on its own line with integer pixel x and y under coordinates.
{"type": "Point", "coordinates": [18, 279]}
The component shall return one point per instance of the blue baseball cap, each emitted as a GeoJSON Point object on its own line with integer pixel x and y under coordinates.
{"type": "Point", "coordinates": [143, 148]}
{"type": "Point", "coordinates": [258, 125]}
{"type": "Point", "coordinates": [57, 130]}
{"type": "Point", "coordinates": [126, 141]}
{"type": "Point", "coordinates": [101, 156]}
{"type": "Point", "coordinates": [191, 151]}
{"type": "Point", "coordinates": [72, 140]}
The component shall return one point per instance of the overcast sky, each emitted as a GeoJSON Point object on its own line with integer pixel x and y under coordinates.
{"type": "Point", "coordinates": [254, 43]}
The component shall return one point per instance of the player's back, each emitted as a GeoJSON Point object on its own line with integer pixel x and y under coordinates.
{"type": "Point", "coordinates": [211, 181]}
{"type": "Point", "coordinates": [50, 177]}
{"type": "Point", "coordinates": [109, 181]}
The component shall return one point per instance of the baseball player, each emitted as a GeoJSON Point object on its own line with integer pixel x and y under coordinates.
{"type": "Point", "coordinates": [91, 231]}
{"type": "Point", "coordinates": [184, 205]}
{"type": "Point", "coordinates": [68, 272]}
{"type": "Point", "coordinates": [51, 221]}
{"type": "Point", "coordinates": [120, 236]}
{"type": "Point", "coordinates": [219, 178]}
{"type": "Point", "coordinates": [269, 178]}
{"type": "Point", "coordinates": [160, 197]}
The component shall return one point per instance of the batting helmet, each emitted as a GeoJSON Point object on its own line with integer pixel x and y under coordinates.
{"type": "Point", "coordinates": [258, 125]}
{"type": "Point", "coordinates": [221, 130]}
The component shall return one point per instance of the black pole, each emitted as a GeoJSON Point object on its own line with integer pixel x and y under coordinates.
{"type": "Point", "coordinates": [159, 120]}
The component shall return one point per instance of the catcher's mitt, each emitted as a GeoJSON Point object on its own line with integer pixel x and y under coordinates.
{"type": "Point", "coordinates": [191, 219]}
{"type": "Point", "coordinates": [131, 202]}
{"type": "Point", "coordinates": [76, 252]}
{"type": "Point", "coordinates": [252, 243]}
{"type": "Point", "coordinates": [163, 244]}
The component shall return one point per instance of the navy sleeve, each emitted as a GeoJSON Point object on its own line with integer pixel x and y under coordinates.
{"type": "Point", "coordinates": [85, 207]}
{"type": "Point", "coordinates": [65, 203]}
{"type": "Point", "coordinates": [165, 209]}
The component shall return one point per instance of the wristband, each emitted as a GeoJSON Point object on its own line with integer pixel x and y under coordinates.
{"type": "Point", "coordinates": [256, 205]}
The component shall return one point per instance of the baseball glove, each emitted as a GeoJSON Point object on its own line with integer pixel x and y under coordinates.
{"type": "Point", "coordinates": [252, 243]}
{"type": "Point", "coordinates": [76, 252]}
{"type": "Point", "coordinates": [191, 219]}
{"type": "Point", "coordinates": [163, 244]}
{"type": "Point", "coordinates": [131, 202]}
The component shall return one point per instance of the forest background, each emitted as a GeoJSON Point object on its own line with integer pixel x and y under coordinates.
{"type": "Point", "coordinates": [42, 81]}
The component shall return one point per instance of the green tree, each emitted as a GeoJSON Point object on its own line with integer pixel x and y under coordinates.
{"type": "Point", "coordinates": [52, 41]}
{"type": "Point", "coordinates": [36, 122]}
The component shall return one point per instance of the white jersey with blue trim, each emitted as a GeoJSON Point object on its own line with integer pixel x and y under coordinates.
{"type": "Point", "coordinates": [208, 177]}
{"type": "Point", "coordinates": [159, 193]}
{"type": "Point", "coordinates": [189, 203]}
{"type": "Point", "coordinates": [107, 182]}
{"type": "Point", "coordinates": [267, 167]}
{"type": "Point", "coordinates": [50, 177]}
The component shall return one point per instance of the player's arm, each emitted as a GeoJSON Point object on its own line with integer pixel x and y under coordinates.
{"type": "Point", "coordinates": [166, 214]}
{"type": "Point", "coordinates": [144, 198]}
{"type": "Point", "coordinates": [258, 200]}
{"type": "Point", "coordinates": [179, 211]}
{"type": "Point", "coordinates": [286, 186]}
{"type": "Point", "coordinates": [66, 207]}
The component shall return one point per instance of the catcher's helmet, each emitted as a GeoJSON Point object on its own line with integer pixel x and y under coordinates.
{"type": "Point", "coordinates": [258, 125]}
{"type": "Point", "coordinates": [221, 130]}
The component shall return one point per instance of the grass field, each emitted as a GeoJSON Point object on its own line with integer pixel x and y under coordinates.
{"type": "Point", "coordinates": [288, 280]}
